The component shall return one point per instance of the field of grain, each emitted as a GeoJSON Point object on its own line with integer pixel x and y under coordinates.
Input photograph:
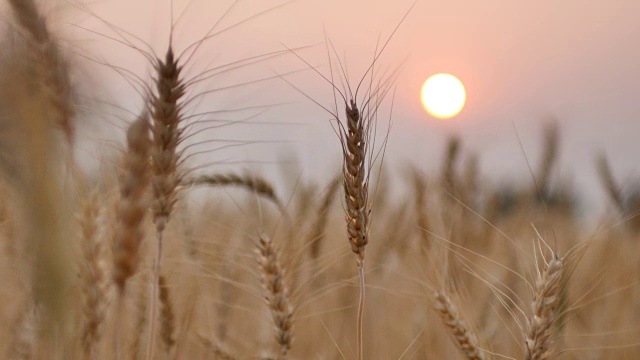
{"type": "Point", "coordinates": [150, 257]}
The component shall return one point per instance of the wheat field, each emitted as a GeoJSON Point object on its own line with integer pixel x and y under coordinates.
{"type": "Point", "coordinates": [148, 256]}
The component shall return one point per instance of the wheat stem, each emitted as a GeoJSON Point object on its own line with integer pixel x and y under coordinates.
{"type": "Point", "coordinates": [360, 319]}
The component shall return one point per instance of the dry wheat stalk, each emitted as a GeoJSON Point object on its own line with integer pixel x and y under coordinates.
{"type": "Point", "coordinates": [549, 158]}
{"type": "Point", "coordinates": [449, 176]}
{"type": "Point", "coordinates": [546, 299]}
{"type": "Point", "coordinates": [609, 182]}
{"type": "Point", "coordinates": [50, 68]}
{"type": "Point", "coordinates": [464, 337]}
{"type": "Point", "coordinates": [133, 203]}
{"type": "Point", "coordinates": [251, 182]}
{"type": "Point", "coordinates": [276, 293]}
{"type": "Point", "coordinates": [141, 311]}
{"type": "Point", "coordinates": [420, 191]}
{"type": "Point", "coordinates": [167, 318]}
{"type": "Point", "coordinates": [94, 285]}
{"type": "Point", "coordinates": [319, 226]}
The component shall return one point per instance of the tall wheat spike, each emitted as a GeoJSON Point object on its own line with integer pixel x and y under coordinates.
{"type": "Point", "coordinates": [166, 112]}
{"type": "Point", "coordinates": [133, 203]}
{"type": "Point", "coordinates": [546, 300]}
{"type": "Point", "coordinates": [355, 181]}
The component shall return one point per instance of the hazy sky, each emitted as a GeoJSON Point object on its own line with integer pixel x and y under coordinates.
{"type": "Point", "coordinates": [522, 62]}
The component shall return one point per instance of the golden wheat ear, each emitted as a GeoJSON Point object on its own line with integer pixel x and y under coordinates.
{"type": "Point", "coordinates": [167, 129]}
{"type": "Point", "coordinates": [546, 301]}
{"type": "Point", "coordinates": [465, 339]}
{"type": "Point", "coordinates": [95, 287]}
{"type": "Point", "coordinates": [133, 203]}
{"type": "Point", "coordinates": [251, 182]}
{"type": "Point", "coordinates": [276, 293]}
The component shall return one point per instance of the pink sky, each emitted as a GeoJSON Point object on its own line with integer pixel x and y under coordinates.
{"type": "Point", "coordinates": [521, 62]}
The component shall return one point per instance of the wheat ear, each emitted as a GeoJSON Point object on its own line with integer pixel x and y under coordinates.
{"type": "Point", "coordinates": [546, 300]}
{"type": "Point", "coordinates": [276, 293]}
{"type": "Point", "coordinates": [50, 67]}
{"type": "Point", "coordinates": [465, 339]}
{"type": "Point", "coordinates": [94, 285]}
{"type": "Point", "coordinates": [133, 203]}
{"type": "Point", "coordinates": [167, 118]}
{"type": "Point", "coordinates": [250, 182]}
{"type": "Point", "coordinates": [355, 183]}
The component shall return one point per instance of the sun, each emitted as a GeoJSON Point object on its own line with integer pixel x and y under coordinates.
{"type": "Point", "coordinates": [443, 96]}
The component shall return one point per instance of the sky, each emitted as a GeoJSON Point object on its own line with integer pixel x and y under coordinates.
{"type": "Point", "coordinates": [523, 63]}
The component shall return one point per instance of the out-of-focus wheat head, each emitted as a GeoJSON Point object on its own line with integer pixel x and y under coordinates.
{"type": "Point", "coordinates": [30, 163]}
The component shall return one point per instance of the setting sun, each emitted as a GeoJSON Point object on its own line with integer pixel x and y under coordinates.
{"type": "Point", "coordinates": [443, 96]}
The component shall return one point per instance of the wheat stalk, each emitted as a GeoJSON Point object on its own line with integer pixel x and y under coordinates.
{"type": "Point", "coordinates": [318, 228]}
{"type": "Point", "coordinates": [609, 182]}
{"type": "Point", "coordinates": [167, 318]}
{"type": "Point", "coordinates": [424, 226]}
{"type": "Point", "coordinates": [448, 173]}
{"type": "Point", "coordinates": [549, 159]}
